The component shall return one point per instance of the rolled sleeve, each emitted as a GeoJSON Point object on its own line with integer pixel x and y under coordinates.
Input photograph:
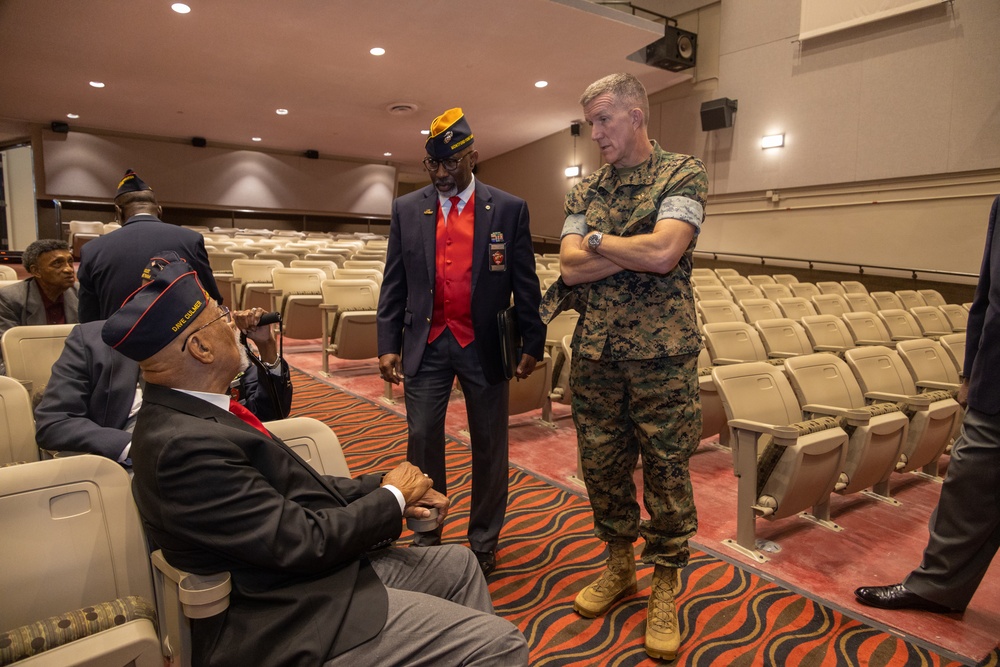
{"type": "Point", "coordinates": [679, 208]}
{"type": "Point", "coordinates": [576, 223]}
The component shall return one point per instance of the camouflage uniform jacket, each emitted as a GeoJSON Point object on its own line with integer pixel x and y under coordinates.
{"type": "Point", "coordinates": [638, 315]}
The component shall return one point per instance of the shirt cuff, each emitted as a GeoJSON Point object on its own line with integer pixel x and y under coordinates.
{"type": "Point", "coordinates": [576, 223]}
{"type": "Point", "coordinates": [399, 496]}
{"type": "Point", "coordinates": [684, 209]}
{"type": "Point", "coordinates": [124, 454]}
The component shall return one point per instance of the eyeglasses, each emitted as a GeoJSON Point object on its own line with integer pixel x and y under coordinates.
{"type": "Point", "coordinates": [450, 164]}
{"type": "Point", "coordinates": [225, 314]}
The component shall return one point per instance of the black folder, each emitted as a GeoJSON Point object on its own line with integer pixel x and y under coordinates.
{"type": "Point", "coordinates": [510, 341]}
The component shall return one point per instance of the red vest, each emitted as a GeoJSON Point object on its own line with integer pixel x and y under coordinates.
{"type": "Point", "coordinates": [453, 275]}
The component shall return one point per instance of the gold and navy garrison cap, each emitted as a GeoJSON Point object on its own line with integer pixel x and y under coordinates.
{"type": "Point", "coordinates": [156, 313]}
{"type": "Point", "coordinates": [450, 133]}
{"type": "Point", "coordinates": [131, 183]}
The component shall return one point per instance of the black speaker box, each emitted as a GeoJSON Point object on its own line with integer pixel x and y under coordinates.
{"type": "Point", "coordinates": [312, 154]}
{"type": "Point", "coordinates": [198, 142]}
{"type": "Point", "coordinates": [717, 114]}
{"type": "Point", "coordinates": [677, 50]}
{"type": "Point", "coordinates": [60, 127]}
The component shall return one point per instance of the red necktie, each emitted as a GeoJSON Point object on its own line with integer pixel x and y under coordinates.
{"type": "Point", "coordinates": [247, 416]}
{"type": "Point", "coordinates": [453, 211]}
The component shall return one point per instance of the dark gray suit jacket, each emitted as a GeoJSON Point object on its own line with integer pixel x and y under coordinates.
{"type": "Point", "coordinates": [21, 304]}
{"type": "Point", "coordinates": [406, 301]}
{"type": "Point", "coordinates": [982, 344]}
{"type": "Point", "coordinates": [215, 494]}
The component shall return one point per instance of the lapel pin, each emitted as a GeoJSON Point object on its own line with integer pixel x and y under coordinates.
{"type": "Point", "coordinates": [488, 207]}
{"type": "Point", "coordinates": [428, 212]}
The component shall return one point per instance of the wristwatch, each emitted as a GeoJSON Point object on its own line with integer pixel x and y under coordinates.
{"type": "Point", "coordinates": [594, 241]}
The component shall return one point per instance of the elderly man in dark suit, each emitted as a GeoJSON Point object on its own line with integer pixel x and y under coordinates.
{"type": "Point", "coordinates": [457, 250]}
{"type": "Point", "coordinates": [48, 295]}
{"type": "Point", "coordinates": [965, 526]}
{"type": "Point", "coordinates": [313, 580]}
{"type": "Point", "coordinates": [110, 265]}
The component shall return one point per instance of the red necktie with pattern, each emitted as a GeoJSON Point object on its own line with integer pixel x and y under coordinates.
{"type": "Point", "coordinates": [247, 416]}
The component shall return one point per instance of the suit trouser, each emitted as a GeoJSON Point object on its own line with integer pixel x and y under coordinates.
{"type": "Point", "coordinates": [440, 613]}
{"type": "Point", "coordinates": [427, 394]}
{"type": "Point", "coordinates": [965, 525]}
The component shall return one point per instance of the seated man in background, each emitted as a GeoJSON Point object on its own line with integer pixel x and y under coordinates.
{"type": "Point", "coordinates": [93, 395]}
{"type": "Point", "coordinates": [48, 296]}
{"type": "Point", "coordinates": [313, 580]}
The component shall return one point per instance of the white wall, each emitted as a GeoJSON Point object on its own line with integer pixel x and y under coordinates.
{"type": "Point", "coordinates": [18, 182]}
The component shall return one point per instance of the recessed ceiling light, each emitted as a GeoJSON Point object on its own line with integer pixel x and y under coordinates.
{"type": "Point", "coordinates": [73, 115]}
{"type": "Point", "coordinates": [377, 51]}
{"type": "Point", "coordinates": [425, 131]}
{"type": "Point", "coordinates": [387, 154]}
{"type": "Point", "coordinates": [281, 112]}
{"type": "Point", "coordinates": [541, 84]}
{"type": "Point", "coordinates": [255, 139]}
{"type": "Point", "coordinates": [180, 8]}
{"type": "Point", "coordinates": [96, 84]}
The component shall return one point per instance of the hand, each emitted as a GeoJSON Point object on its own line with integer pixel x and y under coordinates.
{"type": "Point", "coordinates": [963, 393]}
{"type": "Point", "coordinates": [430, 499]}
{"type": "Point", "coordinates": [390, 368]}
{"type": "Point", "coordinates": [525, 367]}
{"type": "Point", "coordinates": [412, 483]}
{"type": "Point", "coordinates": [246, 321]}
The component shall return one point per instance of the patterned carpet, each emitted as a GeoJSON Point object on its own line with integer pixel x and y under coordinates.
{"type": "Point", "coordinates": [728, 616]}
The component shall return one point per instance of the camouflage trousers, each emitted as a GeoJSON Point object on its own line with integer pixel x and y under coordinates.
{"type": "Point", "coordinates": [626, 408]}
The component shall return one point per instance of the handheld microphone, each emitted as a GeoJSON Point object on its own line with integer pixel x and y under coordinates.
{"type": "Point", "coordinates": [269, 318]}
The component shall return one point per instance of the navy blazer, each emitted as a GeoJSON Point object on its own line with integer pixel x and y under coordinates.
{"type": "Point", "coordinates": [89, 396]}
{"type": "Point", "coordinates": [406, 302]}
{"type": "Point", "coordinates": [111, 265]}
{"type": "Point", "coordinates": [215, 494]}
{"type": "Point", "coordinates": [982, 343]}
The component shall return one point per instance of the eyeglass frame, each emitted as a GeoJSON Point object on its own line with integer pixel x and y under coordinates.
{"type": "Point", "coordinates": [226, 313]}
{"type": "Point", "coordinates": [443, 163]}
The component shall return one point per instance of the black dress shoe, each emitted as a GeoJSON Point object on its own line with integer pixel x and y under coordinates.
{"type": "Point", "coordinates": [487, 561]}
{"type": "Point", "coordinates": [897, 597]}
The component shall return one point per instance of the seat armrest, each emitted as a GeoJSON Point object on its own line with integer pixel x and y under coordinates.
{"type": "Point", "coordinates": [781, 355]}
{"type": "Point", "coordinates": [891, 344]}
{"type": "Point", "coordinates": [944, 386]}
{"type": "Point", "coordinates": [830, 348]}
{"type": "Point", "coordinates": [830, 410]}
{"type": "Point", "coordinates": [915, 402]}
{"type": "Point", "coordinates": [200, 595]}
{"type": "Point", "coordinates": [275, 291]}
{"type": "Point", "coordinates": [786, 432]}
{"type": "Point", "coordinates": [899, 338]}
{"type": "Point", "coordinates": [329, 306]}
{"type": "Point", "coordinates": [725, 361]}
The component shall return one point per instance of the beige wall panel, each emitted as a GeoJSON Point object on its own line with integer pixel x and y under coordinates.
{"type": "Point", "coordinates": [750, 23]}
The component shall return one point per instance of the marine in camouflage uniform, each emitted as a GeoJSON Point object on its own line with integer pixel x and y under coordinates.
{"type": "Point", "coordinates": [634, 370]}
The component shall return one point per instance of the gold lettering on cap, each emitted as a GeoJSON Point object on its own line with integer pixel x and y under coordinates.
{"type": "Point", "coordinates": [188, 315]}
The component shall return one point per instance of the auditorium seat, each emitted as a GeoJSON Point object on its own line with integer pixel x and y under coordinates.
{"type": "Point", "coordinates": [760, 279]}
{"type": "Point", "coordinates": [827, 333]}
{"type": "Point", "coordinates": [296, 294]}
{"type": "Point", "coordinates": [221, 263]}
{"type": "Point", "coordinates": [17, 425]}
{"type": "Point", "coordinates": [746, 291]}
{"type": "Point", "coordinates": [933, 415]}
{"type": "Point", "coordinates": [286, 258]}
{"type": "Point", "coordinates": [732, 273]}
{"type": "Point", "coordinates": [776, 291]}
{"type": "Point", "coordinates": [825, 386]}
{"type": "Point", "coordinates": [29, 352]}
{"type": "Point", "coordinates": [831, 287]}
{"type": "Point", "coordinates": [783, 338]}
{"type": "Point", "coordinates": [359, 274]}
{"type": "Point", "coordinates": [900, 324]}
{"type": "Point", "coordinates": [82, 231]}
{"type": "Point", "coordinates": [887, 301]}
{"type": "Point", "coordinates": [718, 311]}
{"type": "Point", "coordinates": [932, 297]}
{"type": "Point", "coordinates": [75, 565]}
{"type": "Point", "coordinates": [706, 281]}
{"type": "Point", "coordinates": [929, 364]}
{"type": "Point", "coordinates": [8, 273]}
{"type": "Point", "coordinates": [250, 283]}
{"type": "Point", "coordinates": [932, 321]}
{"type": "Point", "coordinates": [854, 287]}
{"type": "Point", "coordinates": [547, 274]}
{"type": "Point", "coordinates": [532, 393]}
{"type": "Point", "coordinates": [954, 346]}
{"type": "Point", "coordinates": [911, 298]}
{"type": "Point", "coordinates": [804, 290]}
{"type": "Point", "coordinates": [796, 307]}
{"type": "Point", "coordinates": [702, 273]}
{"type": "Point", "coordinates": [831, 304]}
{"type": "Point", "coordinates": [956, 316]}
{"type": "Point", "coordinates": [364, 264]}
{"type": "Point", "coordinates": [731, 281]}
{"type": "Point", "coordinates": [734, 343]}
{"type": "Point", "coordinates": [867, 329]}
{"type": "Point", "coordinates": [784, 278]}
{"type": "Point", "coordinates": [326, 266]}
{"type": "Point", "coordinates": [861, 302]}
{"type": "Point", "coordinates": [712, 293]}
{"type": "Point", "coordinates": [348, 320]}
{"type": "Point", "coordinates": [784, 463]}
{"type": "Point", "coordinates": [562, 325]}
{"type": "Point", "coordinates": [562, 358]}
{"type": "Point", "coordinates": [759, 309]}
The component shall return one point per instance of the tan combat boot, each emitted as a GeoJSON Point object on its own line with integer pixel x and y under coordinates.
{"type": "Point", "coordinates": [617, 581]}
{"type": "Point", "coordinates": [663, 636]}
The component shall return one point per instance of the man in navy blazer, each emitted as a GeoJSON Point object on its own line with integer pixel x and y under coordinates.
{"type": "Point", "coordinates": [314, 580]}
{"type": "Point", "coordinates": [458, 249]}
{"type": "Point", "coordinates": [111, 265]}
{"type": "Point", "coordinates": [965, 526]}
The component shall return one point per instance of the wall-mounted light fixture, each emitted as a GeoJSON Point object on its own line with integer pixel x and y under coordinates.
{"type": "Point", "coordinates": [772, 141]}
{"type": "Point", "coordinates": [573, 171]}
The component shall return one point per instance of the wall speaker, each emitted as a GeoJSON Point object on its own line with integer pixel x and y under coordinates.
{"type": "Point", "coordinates": [198, 142]}
{"type": "Point", "coordinates": [312, 155]}
{"type": "Point", "coordinates": [717, 114]}
{"type": "Point", "coordinates": [574, 128]}
{"type": "Point", "coordinates": [677, 50]}
{"type": "Point", "coordinates": [60, 127]}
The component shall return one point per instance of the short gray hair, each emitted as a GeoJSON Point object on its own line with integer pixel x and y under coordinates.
{"type": "Point", "coordinates": [38, 248]}
{"type": "Point", "coordinates": [626, 90]}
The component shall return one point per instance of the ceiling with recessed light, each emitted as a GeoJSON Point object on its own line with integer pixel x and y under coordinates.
{"type": "Point", "coordinates": [223, 70]}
